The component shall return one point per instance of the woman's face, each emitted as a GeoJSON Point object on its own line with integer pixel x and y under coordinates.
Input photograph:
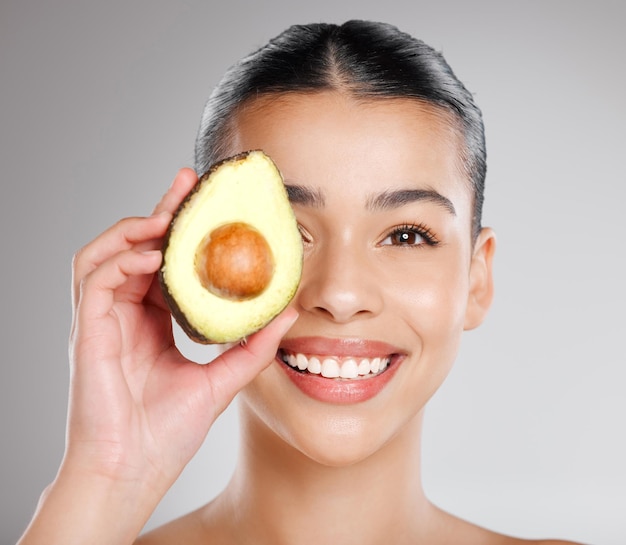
{"type": "Point", "coordinates": [391, 275]}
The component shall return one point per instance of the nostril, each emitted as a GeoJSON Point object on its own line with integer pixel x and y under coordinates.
{"type": "Point", "coordinates": [341, 313]}
{"type": "Point", "coordinates": [322, 310]}
{"type": "Point", "coordinates": [338, 286]}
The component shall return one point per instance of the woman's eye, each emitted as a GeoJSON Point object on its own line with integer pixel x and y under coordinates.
{"type": "Point", "coordinates": [306, 237]}
{"type": "Point", "coordinates": [403, 238]}
{"type": "Point", "coordinates": [409, 236]}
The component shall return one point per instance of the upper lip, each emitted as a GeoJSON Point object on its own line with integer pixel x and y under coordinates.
{"type": "Point", "coordinates": [339, 347]}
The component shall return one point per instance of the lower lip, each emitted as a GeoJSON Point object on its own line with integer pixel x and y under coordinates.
{"type": "Point", "coordinates": [341, 391]}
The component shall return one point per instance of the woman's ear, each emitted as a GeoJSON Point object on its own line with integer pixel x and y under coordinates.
{"type": "Point", "coordinates": [480, 279]}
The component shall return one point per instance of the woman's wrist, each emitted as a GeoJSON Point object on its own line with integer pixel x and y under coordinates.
{"type": "Point", "coordinates": [84, 507]}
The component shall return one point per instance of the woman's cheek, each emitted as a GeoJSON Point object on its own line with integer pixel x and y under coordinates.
{"type": "Point", "coordinates": [435, 305]}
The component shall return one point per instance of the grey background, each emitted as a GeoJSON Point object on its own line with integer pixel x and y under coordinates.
{"type": "Point", "coordinates": [99, 107]}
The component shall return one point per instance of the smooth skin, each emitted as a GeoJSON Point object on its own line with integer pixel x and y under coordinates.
{"type": "Point", "coordinates": [403, 272]}
{"type": "Point", "coordinates": [313, 472]}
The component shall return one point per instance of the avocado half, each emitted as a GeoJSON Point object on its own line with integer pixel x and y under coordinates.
{"type": "Point", "coordinates": [232, 255]}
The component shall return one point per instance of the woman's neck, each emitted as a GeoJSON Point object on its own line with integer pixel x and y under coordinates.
{"type": "Point", "coordinates": [279, 495]}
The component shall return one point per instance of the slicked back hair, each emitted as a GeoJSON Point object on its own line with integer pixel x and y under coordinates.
{"type": "Point", "coordinates": [367, 60]}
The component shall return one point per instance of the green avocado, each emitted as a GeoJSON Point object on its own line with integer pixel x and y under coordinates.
{"type": "Point", "coordinates": [232, 256]}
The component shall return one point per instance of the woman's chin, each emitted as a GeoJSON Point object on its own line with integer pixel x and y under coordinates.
{"type": "Point", "coordinates": [339, 440]}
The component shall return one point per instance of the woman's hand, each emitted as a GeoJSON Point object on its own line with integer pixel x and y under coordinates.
{"type": "Point", "coordinates": [139, 410]}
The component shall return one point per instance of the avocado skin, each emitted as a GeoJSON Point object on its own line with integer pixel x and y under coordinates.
{"type": "Point", "coordinates": [172, 304]}
{"type": "Point", "coordinates": [175, 310]}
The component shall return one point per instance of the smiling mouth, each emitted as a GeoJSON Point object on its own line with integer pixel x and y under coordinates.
{"type": "Point", "coordinates": [333, 367]}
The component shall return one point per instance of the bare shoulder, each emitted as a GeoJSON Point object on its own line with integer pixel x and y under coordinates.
{"type": "Point", "coordinates": [462, 531]}
{"type": "Point", "coordinates": [187, 529]}
{"type": "Point", "coordinates": [517, 541]}
{"type": "Point", "coordinates": [508, 540]}
{"type": "Point", "coordinates": [554, 542]}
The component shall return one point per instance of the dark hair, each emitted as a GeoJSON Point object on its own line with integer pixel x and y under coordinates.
{"type": "Point", "coordinates": [363, 58]}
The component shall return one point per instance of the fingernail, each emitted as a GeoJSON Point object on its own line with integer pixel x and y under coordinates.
{"type": "Point", "coordinates": [287, 319]}
{"type": "Point", "coordinates": [162, 215]}
{"type": "Point", "coordinates": [152, 253]}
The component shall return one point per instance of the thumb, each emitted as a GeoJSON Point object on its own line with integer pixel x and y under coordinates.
{"type": "Point", "coordinates": [236, 367]}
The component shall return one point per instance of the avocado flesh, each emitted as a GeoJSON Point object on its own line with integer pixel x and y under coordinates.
{"type": "Point", "coordinates": [248, 189]}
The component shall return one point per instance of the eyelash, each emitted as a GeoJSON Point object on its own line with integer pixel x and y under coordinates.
{"type": "Point", "coordinates": [419, 229]}
{"type": "Point", "coordinates": [306, 237]}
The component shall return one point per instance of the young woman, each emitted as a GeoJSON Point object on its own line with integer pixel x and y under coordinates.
{"type": "Point", "coordinates": [382, 151]}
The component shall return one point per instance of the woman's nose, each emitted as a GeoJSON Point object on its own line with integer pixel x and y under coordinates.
{"type": "Point", "coordinates": [339, 283]}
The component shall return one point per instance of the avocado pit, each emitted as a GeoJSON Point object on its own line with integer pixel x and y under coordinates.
{"type": "Point", "coordinates": [235, 262]}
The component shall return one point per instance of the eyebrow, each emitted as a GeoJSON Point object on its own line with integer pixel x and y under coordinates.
{"type": "Point", "coordinates": [386, 200]}
{"type": "Point", "coordinates": [400, 197]}
{"type": "Point", "coordinates": [304, 196]}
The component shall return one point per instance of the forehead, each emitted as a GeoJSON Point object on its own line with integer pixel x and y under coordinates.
{"type": "Point", "coordinates": [331, 140]}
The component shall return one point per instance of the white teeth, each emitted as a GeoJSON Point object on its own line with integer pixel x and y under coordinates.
{"type": "Point", "coordinates": [301, 361]}
{"type": "Point", "coordinates": [314, 366]}
{"type": "Point", "coordinates": [365, 367]}
{"type": "Point", "coordinates": [349, 369]}
{"type": "Point", "coordinates": [330, 367]}
{"type": "Point", "coordinates": [375, 365]}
